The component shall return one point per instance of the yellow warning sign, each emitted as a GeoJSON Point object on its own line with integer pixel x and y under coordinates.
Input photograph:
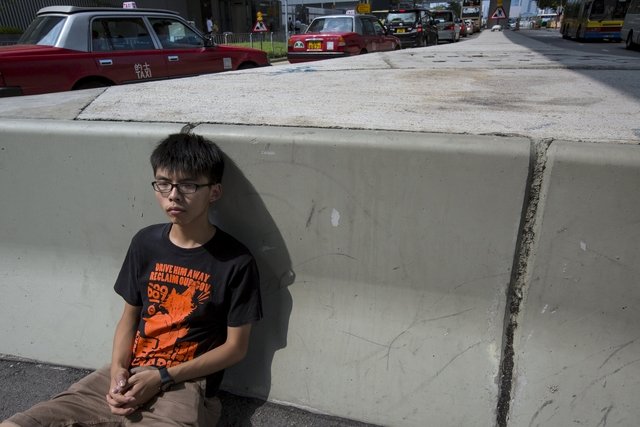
{"type": "Point", "coordinates": [363, 8]}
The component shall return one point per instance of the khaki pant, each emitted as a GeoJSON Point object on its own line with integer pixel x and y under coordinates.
{"type": "Point", "coordinates": [84, 404]}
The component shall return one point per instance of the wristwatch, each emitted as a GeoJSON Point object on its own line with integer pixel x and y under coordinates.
{"type": "Point", "coordinates": [166, 380]}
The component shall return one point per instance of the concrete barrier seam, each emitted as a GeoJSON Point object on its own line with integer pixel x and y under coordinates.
{"type": "Point", "coordinates": [521, 266]}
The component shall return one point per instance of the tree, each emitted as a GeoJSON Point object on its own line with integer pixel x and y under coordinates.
{"type": "Point", "coordinates": [549, 4]}
{"type": "Point", "coordinates": [455, 6]}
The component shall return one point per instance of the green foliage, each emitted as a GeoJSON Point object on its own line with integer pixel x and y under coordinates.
{"type": "Point", "coordinates": [10, 30]}
{"type": "Point", "coordinates": [553, 4]}
{"type": "Point", "coordinates": [455, 6]}
{"type": "Point", "coordinates": [273, 50]}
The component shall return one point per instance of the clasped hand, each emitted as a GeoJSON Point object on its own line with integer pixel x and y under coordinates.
{"type": "Point", "coordinates": [129, 392]}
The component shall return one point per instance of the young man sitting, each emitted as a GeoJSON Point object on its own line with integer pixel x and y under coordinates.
{"type": "Point", "coordinates": [191, 293]}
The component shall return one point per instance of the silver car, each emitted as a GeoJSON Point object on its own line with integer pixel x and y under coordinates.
{"type": "Point", "coordinates": [448, 25]}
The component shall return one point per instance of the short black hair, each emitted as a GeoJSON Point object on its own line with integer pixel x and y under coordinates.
{"type": "Point", "coordinates": [189, 154]}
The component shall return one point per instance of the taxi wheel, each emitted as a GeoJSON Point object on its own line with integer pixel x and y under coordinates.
{"type": "Point", "coordinates": [91, 84]}
{"type": "Point", "coordinates": [246, 66]}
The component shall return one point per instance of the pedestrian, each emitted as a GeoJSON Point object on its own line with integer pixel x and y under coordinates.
{"type": "Point", "coordinates": [209, 25]}
{"type": "Point", "coordinates": [191, 293]}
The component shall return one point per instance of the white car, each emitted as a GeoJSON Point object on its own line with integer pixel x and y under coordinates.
{"type": "Point", "coordinates": [470, 27]}
{"type": "Point", "coordinates": [496, 28]}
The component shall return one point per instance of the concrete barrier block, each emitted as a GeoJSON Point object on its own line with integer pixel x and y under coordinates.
{"type": "Point", "coordinates": [401, 246]}
{"type": "Point", "coordinates": [384, 257]}
{"type": "Point", "coordinates": [577, 349]}
{"type": "Point", "coordinates": [74, 195]}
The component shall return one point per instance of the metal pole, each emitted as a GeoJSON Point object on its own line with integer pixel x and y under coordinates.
{"type": "Point", "coordinates": [286, 21]}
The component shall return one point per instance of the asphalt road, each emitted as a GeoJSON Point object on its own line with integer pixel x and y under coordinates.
{"type": "Point", "coordinates": [25, 383]}
{"type": "Point", "coordinates": [554, 39]}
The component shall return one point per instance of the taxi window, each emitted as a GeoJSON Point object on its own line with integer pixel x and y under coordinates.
{"type": "Point", "coordinates": [331, 25]}
{"type": "Point", "coordinates": [174, 34]}
{"type": "Point", "coordinates": [44, 30]}
{"type": "Point", "coordinates": [367, 27]}
{"type": "Point", "coordinates": [378, 28]}
{"type": "Point", "coordinates": [119, 34]}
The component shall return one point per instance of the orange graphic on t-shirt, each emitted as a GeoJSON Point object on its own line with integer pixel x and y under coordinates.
{"type": "Point", "coordinates": [165, 328]}
{"type": "Point", "coordinates": [161, 340]}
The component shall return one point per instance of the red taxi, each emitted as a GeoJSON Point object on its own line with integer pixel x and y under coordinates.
{"type": "Point", "coordinates": [336, 36]}
{"type": "Point", "coordinates": [69, 47]}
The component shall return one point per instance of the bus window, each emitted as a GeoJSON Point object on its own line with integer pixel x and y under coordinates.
{"type": "Point", "coordinates": [597, 8]}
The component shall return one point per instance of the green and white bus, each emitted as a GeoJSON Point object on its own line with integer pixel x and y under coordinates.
{"type": "Point", "coordinates": [593, 19]}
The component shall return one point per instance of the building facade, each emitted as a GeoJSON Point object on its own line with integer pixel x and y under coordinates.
{"type": "Point", "coordinates": [237, 16]}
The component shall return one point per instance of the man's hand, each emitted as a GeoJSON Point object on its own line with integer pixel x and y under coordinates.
{"type": "Point", "coordinates": [126, 396]}
{"type": "Point", "coordinates": [119, 378]}
{"type": "Point", "coordinates": [116, 399]}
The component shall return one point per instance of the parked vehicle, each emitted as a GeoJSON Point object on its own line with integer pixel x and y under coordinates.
{"type": "Point", "coordinates": [336, 36]}
{"type": "Point", "coordinates": [593, 19]}
{"type": "Point", "coordinates": [472, 10]}
{"type": "Point", "coordinates": [630, 32]}
{"type": "Point", "coordinates": [381, 15]}
{"type": "Point", "coordinates": [471, 28]}
{"type": "Point", "coordinates": [463, 29]}
{"type": "Point", "coordinates": [448, 25]}
{"type": "Point", "coordinates": [69, 47]}
{"type": "Point", "coordinates": [414, 27]}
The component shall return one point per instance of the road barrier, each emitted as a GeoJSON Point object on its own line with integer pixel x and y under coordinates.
{"type": "Point", "coordinates": [384, 256]}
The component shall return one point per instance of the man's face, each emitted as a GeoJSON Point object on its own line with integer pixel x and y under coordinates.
{"type": "Point", "coordinates": [185, 207]}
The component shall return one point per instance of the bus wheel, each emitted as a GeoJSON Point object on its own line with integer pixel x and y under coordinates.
{"type": "Point", "coordinates": [629, 42]}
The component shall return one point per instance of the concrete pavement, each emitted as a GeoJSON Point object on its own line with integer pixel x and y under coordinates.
{"type": "Point", "coordinates": [494, 83]}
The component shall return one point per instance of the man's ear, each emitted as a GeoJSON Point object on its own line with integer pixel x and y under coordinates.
{"type": "Point", "coordinates": [215, 192]}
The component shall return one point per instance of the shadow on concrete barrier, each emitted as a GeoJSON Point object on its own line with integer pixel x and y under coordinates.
{"type": "Point", "coordinates": [242, 213]}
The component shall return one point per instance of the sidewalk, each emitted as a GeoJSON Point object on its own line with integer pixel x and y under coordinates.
{"type": "Point", "coordinates": [25, 383]}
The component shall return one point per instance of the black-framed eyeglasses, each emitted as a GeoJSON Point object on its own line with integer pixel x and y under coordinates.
{"type": "Point", "coordinates": [183, 187]}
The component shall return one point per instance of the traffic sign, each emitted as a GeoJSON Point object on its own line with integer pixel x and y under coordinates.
{"type": "Point", "coordinates": [499, 14]}
{"type": "Point", "coordinates": [260, 27]}
{"type": "Point", "coordinates": [363, 8]}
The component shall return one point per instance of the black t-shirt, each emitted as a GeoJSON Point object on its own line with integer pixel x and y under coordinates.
{"type": "Point", "coordinates": [188, 296]}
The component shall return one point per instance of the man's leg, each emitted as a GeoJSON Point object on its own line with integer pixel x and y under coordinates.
{"type": "Point", "coordinates": [82, 403]}
{"type": "Point", "coordinates": [184, 405]}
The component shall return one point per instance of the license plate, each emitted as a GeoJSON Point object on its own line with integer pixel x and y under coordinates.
{"type": "Point", "coordinates": [314, 45]}
{"type": "Point", "coordinates": [400, 30]}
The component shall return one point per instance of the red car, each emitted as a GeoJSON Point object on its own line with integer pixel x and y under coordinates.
{"type": "Point", "coordinates": [68, 47]}
{"type": "Point", "coordinates": [464, 30]}
{"type": "Point", "coordinates": [337, 36]}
